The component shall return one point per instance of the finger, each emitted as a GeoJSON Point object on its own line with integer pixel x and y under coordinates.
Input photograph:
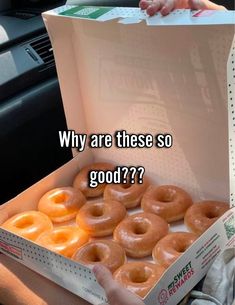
{"type": "Point", "coordinates": [204, 5]}
{"type": "Point", "coordinates": [115, 293]}
{"type": "Point", "coordinates": [144, 4]}
{"type": "Point", "coordinates": [3, 216]}
{"type": "Point", "coordinates": [154, 7]}
{"type": "Point", "coordinates": [105, 278]}
{"type": "Point", "coordinates": [168, 7]}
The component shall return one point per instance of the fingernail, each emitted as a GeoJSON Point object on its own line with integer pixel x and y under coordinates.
{"type": "Point", "coordinates": [96, 269]}
{"type": "Point", "coordinates": [143, 4]}
{"type": "Point", "coordinates": [151, 10]}
{"type": "Point", "coordinates": [164, 11]}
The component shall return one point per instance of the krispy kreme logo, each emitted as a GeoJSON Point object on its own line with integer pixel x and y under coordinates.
{"type": "Point", "coordinates": [163, 297]}
{"type": "Point", "coordinates": [10, 249]}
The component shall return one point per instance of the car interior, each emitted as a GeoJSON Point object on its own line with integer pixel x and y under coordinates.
{"type": "Point", "coordinates": [31, 109]}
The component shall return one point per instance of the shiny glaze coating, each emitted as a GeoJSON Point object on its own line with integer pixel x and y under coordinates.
{"type": "Point", "coordinates": [63, 240]}
{"type": "Point", "coordinates": [200, 216]}
{"type": "Point", "coordinates": [61, 204]}
{"type": "Point", "coordinates": [129, 194]}
{"type": "Point", "coordinates": [81, 180]}
{"type": "Point", "coordinates": [100, 218]}
{"type": "Point", "coordinates": [139, 277]}
{"type": "Point", "coordinates": [167, 201]}
{"type": "Point", "coordinates": [139, 233]}
{"type": "Point", "coordinates": [105, 252]}
{"type": "Point", "coordinates": [28, 224]}
{"type": "Point", "coordinates": [172, 246]}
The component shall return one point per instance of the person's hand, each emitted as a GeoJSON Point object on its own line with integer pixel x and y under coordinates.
{"type": "Point", "coordinates": [22, 286]}
{"type": "Point", "coordinates": [116, 294]}
{"type": "Point", "coordinates": [166, 6]}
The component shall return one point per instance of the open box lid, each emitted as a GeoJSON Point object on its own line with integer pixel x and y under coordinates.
{"type": "Point", "coordinates": [121, 70]}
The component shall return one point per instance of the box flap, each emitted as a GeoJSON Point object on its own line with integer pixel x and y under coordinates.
{"type": "Point", "coordinates": [151, 79]}
{"type": "Point", "coordinates": [134, 14]}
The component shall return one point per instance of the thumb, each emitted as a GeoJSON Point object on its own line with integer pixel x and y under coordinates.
{"type": "Point", "coordinates": [116, 294]}
{"type": "Point", "coordinates": [105, 278]}
{"type": "Point", "coordinates": [204, 5]}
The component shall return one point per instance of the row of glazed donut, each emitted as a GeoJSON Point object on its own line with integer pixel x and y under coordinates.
{"type": "Point", "coordinates": [145, 230]}
{"type": "Point", "coordinates": [100, 218]}
{"type": "Point", "coordinates": [167, 201]}
{"type": "Point", "coordinates": [139, 235]}
{"type": "Point", "coordinates": [38, 227]}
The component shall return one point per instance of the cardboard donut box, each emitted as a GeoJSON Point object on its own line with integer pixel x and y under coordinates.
{"type": "Point", "coordinates": [121, 70]}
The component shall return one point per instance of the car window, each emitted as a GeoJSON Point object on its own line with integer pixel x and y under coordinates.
{"type": "Point", "coordinates": [5, 4]}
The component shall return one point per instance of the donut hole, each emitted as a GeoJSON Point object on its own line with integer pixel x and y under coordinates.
{"type": "Point", "coordinates": [139, 275]}
{"type": "Point", "coordinates": [60, 237]}
{"type": "Point", "coordinates": [97, 211]}
{"type": "Point", "coordinates": [60, 198]}
{"type": "Point", "coordinates": [126, 185]}
{"type": "Point", "coordinates": [181, 248]}
{"type": "Point", "coordinates": [165, 195]}
{"type": "Point", "coordinates": [212, 214]}
{"type": "Point", "coordinates": [95, 255]}
{"type": "Point", "coordinates": [24, 222]}
{"type": "Point", "coordinates": [140, 228]}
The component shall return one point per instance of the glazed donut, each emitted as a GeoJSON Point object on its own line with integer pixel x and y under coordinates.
{"type": "Point", "coordinates": [200, 216]}
{"type": "Point", "coordinates": [61, 204]}
{"type": "Point", "coordinates": [167, 201]}
{"type": "Point", "coordinates": [139, 233]}
{"type": "Point", "coordinates": [81, 180]}
{"type": "Point", "coordinates": [100, 218]}
{"type": "Point", "coordinates": [129, 194]}
{"type": "Point", "coordinates": [139, 277]}
{"type": "Point", "coordinates": [105, 252]}
{"type": "Point", "coordinates": [63, 240]}
{"type": "Point", "coordinates": [28, 224]}
{"type": "Point", "coordinates": [171, 246]}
